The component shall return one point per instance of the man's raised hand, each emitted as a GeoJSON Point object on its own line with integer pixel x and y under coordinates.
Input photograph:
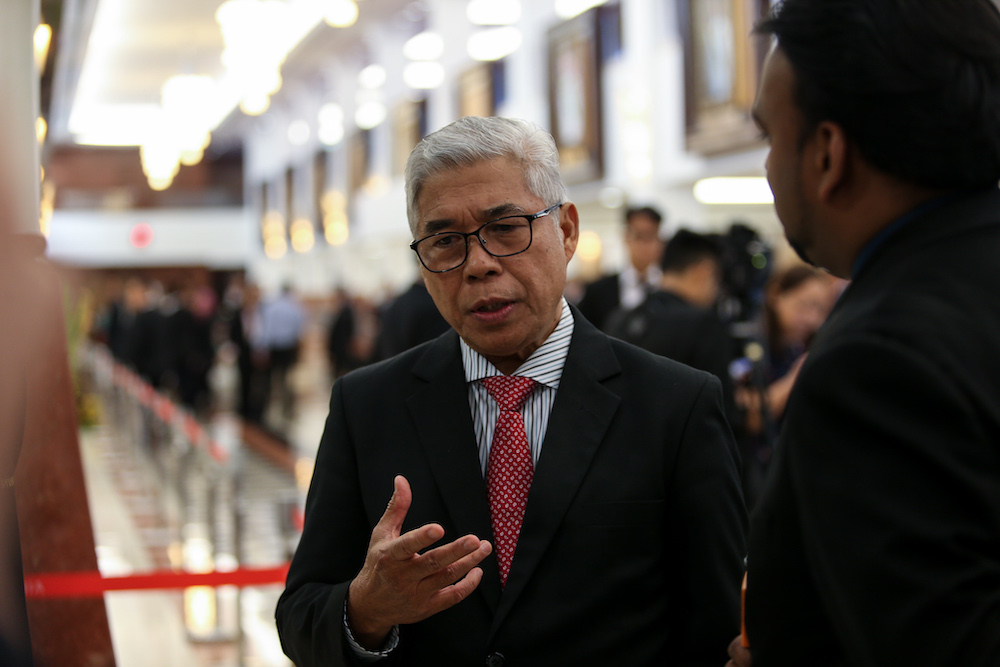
{"type": "Point", "coordinates": [398, 584]}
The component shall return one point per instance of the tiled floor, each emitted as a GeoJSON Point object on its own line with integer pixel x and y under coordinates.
{"type": "Point", "coordinates": [166, 505]}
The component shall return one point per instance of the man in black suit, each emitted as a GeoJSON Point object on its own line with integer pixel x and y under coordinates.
{"type": "Point", "coordinates": [628, 289]}
{"type": "Point", "coordinates": [411, 319]}
{"type": "Point", "coordinates": [876, 539]}
{"type": "Point", "coordinates": [678, 321]}
{"type": "Point", "coordinates": [631, 546]}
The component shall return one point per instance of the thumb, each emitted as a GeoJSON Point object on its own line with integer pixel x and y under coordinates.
{"type": "Point", "coordinates": [399, 505]}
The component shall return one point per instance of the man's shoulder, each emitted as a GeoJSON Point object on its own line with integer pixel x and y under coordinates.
{"type": "Point", "coordinates": [603, 288]}
{"type": "Point", "coordinates": [641, 365]}
{"type": "Point", "coordinates": [609, 279]}
{"type": "Point", "coordinates": [379, 375]}
{"type": "Point", "coordinates": [668, 307]}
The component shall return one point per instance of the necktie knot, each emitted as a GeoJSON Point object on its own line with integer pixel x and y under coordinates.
{"type": "Point", "coordinates": [509, 391]}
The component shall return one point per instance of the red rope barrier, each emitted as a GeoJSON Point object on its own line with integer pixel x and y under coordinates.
{"type": "Point", "coordinates": [92, 584]}
{"type": "Point", "coordinates": [162, 407]}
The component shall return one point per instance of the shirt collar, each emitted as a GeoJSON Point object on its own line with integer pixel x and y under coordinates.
{"type": "Point", "coordinates": [631, 277]}
{"type": "Point", "coordinates": [864, 257]}
{"type": "Point", "coordinates": [544, 366]}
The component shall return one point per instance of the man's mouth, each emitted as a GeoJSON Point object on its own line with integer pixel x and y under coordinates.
{"type": "Point", "coordinates": [493, 306]}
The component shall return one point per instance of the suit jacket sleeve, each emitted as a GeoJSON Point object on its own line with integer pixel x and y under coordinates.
{"type": "Point", "coordinates": [713, 353]}
{"type": "Point", "coordinates": [710, 519]}
{"type": "Point", "coordinates": [897, 481]}
{"type": "Point", "coordinates": [310, 612]}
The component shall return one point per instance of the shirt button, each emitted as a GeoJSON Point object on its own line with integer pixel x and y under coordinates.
{"type": "Point", "coordinates": [494, 660]}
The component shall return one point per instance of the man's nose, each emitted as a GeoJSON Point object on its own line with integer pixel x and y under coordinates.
{"type": "Point", "coordinates": [479, 262]}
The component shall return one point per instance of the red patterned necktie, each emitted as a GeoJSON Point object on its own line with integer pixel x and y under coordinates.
{"type": "Point", "coordinates": [509, 471]}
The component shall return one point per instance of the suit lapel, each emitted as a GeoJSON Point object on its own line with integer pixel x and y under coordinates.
{"type": "Point", "coordinates": [440, 410]}
{"type": "Point", "coordinates": [580, 417]}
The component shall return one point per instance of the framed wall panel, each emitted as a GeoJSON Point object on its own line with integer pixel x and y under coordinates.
{"type": "Point", "coordinates": [475, 91]}
{"type": "Point", "coordinates": [722, 63]}
{"type": "Point", "coordinates": [408, 128]}
{"type": "Point", "coordinates": [575, 97]}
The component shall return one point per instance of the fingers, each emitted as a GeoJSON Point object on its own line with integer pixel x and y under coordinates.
{"type": "Point", "coordinates": [453, 561]}
{"type": "Point", "coordinates": [415, 541]}
{"type": "Point", "coordinates": [451, 595]}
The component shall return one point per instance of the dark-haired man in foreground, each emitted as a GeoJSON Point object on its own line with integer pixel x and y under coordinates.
{"type": "Point", "coordinates": [876, 540]}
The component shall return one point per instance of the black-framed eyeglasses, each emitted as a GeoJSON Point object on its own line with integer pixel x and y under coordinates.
{"type": "Point", "coordinates": [503, 237]}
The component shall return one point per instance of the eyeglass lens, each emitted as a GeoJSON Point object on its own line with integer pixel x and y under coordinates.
{"type": "Point", "coordinates": [507, 236]}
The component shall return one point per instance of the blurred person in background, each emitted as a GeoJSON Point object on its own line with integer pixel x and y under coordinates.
{"type": "Point", "coordinates": [246, 331]}
{"type": "Point", "coordinates": [152, 347]}
{"type": "Point", "coordinates": [282, 321]}
{"type": "Point", "coordinates": [797, 300]}
{"type": "Point", "coordinates": [638, 279]}
{"type": "Point", "coordinates": [678, 321]}
{"type": "Point", "coordinates": [340, 333]}
{"type": "Point", "coordinates": [118, 317]}
{"type": "Point", "coordinates": [195, 349]}
{"type": "Point", "coordinates": [876, 538]}
{"type": "Point", "coordinates": [410, 319]}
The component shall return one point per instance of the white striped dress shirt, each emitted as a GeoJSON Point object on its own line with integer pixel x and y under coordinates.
{"type": "Point", "coordinates": [544, 366]}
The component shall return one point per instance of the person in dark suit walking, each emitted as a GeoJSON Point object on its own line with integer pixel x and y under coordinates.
{"type": "Point", "coordinates": [601, 522]}
{"type": "Point", "coordinates": [630, 287]}
{"type": "Point", "coordinates": [876, 538]}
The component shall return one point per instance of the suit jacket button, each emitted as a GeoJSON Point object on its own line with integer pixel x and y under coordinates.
{"type": "Point", "coordinates": [494, 660]}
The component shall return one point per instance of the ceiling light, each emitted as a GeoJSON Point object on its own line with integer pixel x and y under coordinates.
{"type": "Point", "coordinates": [337, 232]}
{"type": "Point", "coordinates": [372, 77]}
{"type": "Point", "coordinates": [331, 134]}
{"type": "Point", "coordinates": [114, 124]}
{"type": "Point", "coordinates": [494, 43]}
{"type": "Point", "coordinates": [255, 104]}
{"type": "Point", "coordinates": [493, 12]}
{"type": "Point", "coordinates": [369, 115]}
{"type": "Point", "coordinates": [275, 247]}
{"type": "Point", "coordinates": [567, 9]}
{"type": "Point", "coordinates": [303, 238]}
{"type": "Point", "coordinates": [425, 46]}
{"type": "Point", "coordinates": [423, 75]}
{"type": "Point", "coordinates": [733, 190]}
{"type": "Point", "coordinates": [191, 157]}
{"type": "Point", "coordinates": [182, 92]}
{"type": "Point", "coordinates": [341, 13]}
{"type": "Point", "coordinates": [331, 113]}
{"type": "Point", "coordinates": [41, 129]}
{"type": "Point", "coordinates": [160, 184]}
{"type": "Point", "coordinates": [331, 124]}
{"type": "Point", "coordinates": [43, 37]}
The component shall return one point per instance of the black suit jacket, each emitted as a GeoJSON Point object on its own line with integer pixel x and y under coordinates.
{"type": "Point", "coordinates": [668, 325]}
{"type": "Point", "coordinates": [601, 298]}
{"type": "Point", "coordinates": [632, 544]}
{"type": "Point", "coordinates": [876, 540]}
{"type": "Point", "coordinates": [411, 319]}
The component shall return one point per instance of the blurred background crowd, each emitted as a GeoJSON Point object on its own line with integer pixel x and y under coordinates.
{"type": "Point", "coordinates": [719, 302]}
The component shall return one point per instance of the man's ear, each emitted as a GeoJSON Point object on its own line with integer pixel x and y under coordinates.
{"type": "Point", "coordinates": [830, 159]}
{"type": "Point", "coordinates": [569, 225]}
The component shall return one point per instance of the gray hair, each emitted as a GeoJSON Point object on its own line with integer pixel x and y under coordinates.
{"type": "Point", "coordinates": [471, 140]}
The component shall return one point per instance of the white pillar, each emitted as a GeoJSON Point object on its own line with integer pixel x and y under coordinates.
{"type": "Point", "coordinates": [19, 164]}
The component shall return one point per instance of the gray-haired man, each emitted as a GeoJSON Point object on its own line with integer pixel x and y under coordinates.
{"type": "Point", "coordinates": [598, 521]}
